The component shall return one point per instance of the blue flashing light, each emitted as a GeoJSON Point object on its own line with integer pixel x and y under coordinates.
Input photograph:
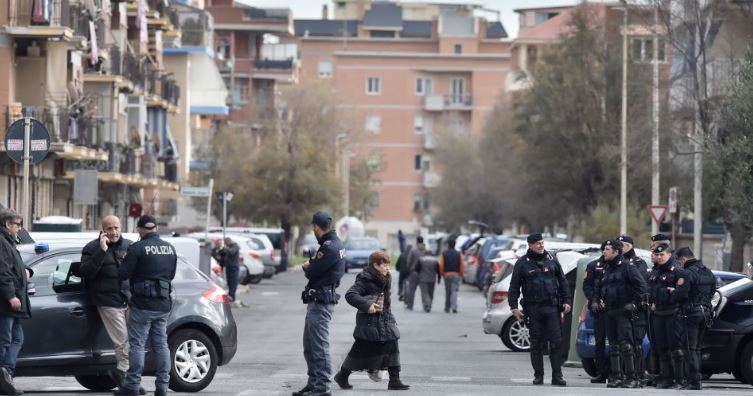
{"type": "Point", "coordinates": [41, 247]}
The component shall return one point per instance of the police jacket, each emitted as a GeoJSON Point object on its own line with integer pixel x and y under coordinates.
{"type": "Point", "coordinates": [13, 282]}
{"type": "Point", "coordinates": [231, 255]}
{"type": "Point", "coordinates": [663, 284]}
{"type": "Point", "coordinates": [150, 266]}
{"type": "Point", "coordinates": [328, 266]}
{"type": "Point", "coordinates": [380, 326]}
{"type": "Point", "coordinates": [542, 280]}
{"type": "Point", "coordinates": [701, 286]}
{"type": "Point", "coordinates": [622, 284]}
{"type": "Point", "coordinates": [100, 268]}
{"type": "Point", "coordinates": [637, 262]}
{"type": "Point", "coordinates": [592, 279]}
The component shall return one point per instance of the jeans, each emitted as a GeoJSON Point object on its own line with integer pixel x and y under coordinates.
{"type": "Point", "coordinates": [11, 340]}
{"type": "Point", "coordinates": [409, 292]}
{"type": "Point", "coordinates": [151, 325]}
{"type": "Point", "coordinates": [451, 286]}
{"type": "Point", "coordinates": [232, 280]}
{"type": "Point", "coordinates": [316, 345]}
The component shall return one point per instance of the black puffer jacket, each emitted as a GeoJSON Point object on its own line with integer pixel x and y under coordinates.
{"type": "Point", "coordinates": [100, 270]}
{"type": "Point", "coordinates": [380, 326]}
{"type": "Point", "coordinates": [13, 281]}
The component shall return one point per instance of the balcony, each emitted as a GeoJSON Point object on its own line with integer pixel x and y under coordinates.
{"type": "Point", "coordinates": [430, 142]}
{"type": "Point", "coordinates": [280, 70]}
{"type": "Point", "coordinates": [196, 29]}
{"type": "Point", "coordinates": [24, 22]}
{"type": "Point", "coordinates": [448, 102]}
{"type": "Point", "coordinates": [266, 64]}
{"type": "Point", "coordinates": [430, 179]}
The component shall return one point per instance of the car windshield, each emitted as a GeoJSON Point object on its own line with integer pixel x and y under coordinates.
{"type": "Point", "coordinates": [362, 244]}
{"type": "Point", "coordinates": [255, 244]}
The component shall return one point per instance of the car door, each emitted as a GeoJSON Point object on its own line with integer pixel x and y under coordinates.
{"type": "Point", "coordinates": [62, 323]}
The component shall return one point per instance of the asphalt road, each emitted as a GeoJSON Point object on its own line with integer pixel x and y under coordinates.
{"type": "Point", "coordinates": [442, 354]}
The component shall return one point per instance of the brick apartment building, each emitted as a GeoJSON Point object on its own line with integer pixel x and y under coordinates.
{"type": "Point", "coordinates": [409, 70]}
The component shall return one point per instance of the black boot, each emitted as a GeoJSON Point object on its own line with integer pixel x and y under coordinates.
{"type": "Point", "coordinates": [615, 374]}
{"type": "Point", "coordinates": [664, 379]}
{"type": "Point", "coordinates": [395, 383]}
{"type": "Point", "coordinates": [640, 369]}
{"type": "Point", "coordinates": [680, 367]}
{"type": "Point", "coordinates": [555, 359]}
{"type": "Point", "coordinates": [628, 366]}
{"type": "Point", "coordinates": [342, 379]}
{"type": "Point", "coordinates": [600, 379]}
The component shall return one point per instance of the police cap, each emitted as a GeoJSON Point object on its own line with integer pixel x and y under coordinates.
{"type": "Point", "coordinates": [147, 222]}
{"type": "Point", "coordinates": [614, 244]}
{"type": "Point", "coordinates": [322, 219]}
{"type": "Point", "coordinates": [659, 237]}
{"type": "Point", "coordinates": [625, 238]}
{"type": "Point", "coordinates": [661, 248]}
{"type": "Point", "coordinates": [684, 252]}
{"type": "Point", "coordinates": [533, 238]}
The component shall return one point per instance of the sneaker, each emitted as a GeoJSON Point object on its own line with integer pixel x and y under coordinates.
{"type": "Point", "coordinates": [6, 382]}
{"type": "Point", "coordinates": [376, 375]}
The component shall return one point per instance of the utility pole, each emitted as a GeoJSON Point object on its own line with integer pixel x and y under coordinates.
{"type": "Point", "coordinates": [655, 168]}
{"type": "Point", "coordinates": [698, 158]}
{"type": "Point", "coordinates": [623, 134]}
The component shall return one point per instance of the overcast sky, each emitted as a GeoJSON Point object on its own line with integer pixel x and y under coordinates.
{"type": "Point", "coordinates": [313, 8]}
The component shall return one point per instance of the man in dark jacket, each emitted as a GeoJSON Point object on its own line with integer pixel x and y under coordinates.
{"type": "Point", "coordinates": [451, 268]}
{"type": "Point", "coordinates": [402, 269]}
{"type": "Point", "coordinates": [14, 304]}
{"type": "Point", "coordinates": [231, 263]}
{"type": "Point", "coordinates": [640, 319]}
{"type": "Point", "coordinates": [411, 284]}
{"type": "Point", "coordinates": [150, 266]}
{"type": "Point", "coordinates": [591, 284]}
{"type": "Point", "coordinates": [545, 294]}
{"type": "Point", "coordinates": [427, 269]}
{"type": "Point", "coordinates": [100, 263]}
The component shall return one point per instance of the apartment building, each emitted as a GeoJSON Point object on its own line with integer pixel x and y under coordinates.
{"type": "Point", "coordinates": [409, 70]}
{"type": "Point", "coordinates": [94, 73]}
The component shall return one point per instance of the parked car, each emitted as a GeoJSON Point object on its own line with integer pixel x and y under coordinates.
{"type": "Point", "coordinates": [357, 251]}
{"type": "Point", "coordinates": [202, 333]}
{"type": "Point", "coordinates": [309, 246]}
{"type": "Point", "coordinates": [275, 235]}
{"type": "Point", "coordinates": [491, 246]}
{"type": "Point", "coordinates": [471, 262]}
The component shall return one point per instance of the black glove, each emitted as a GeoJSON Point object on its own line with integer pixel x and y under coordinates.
{"type": "Point", "coordinates": [630, 307]}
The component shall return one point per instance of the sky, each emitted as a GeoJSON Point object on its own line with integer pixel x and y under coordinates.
{"type": "Point", "coordinates": [312, 9]}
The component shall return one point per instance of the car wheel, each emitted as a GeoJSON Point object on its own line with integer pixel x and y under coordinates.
{"type": "Point", "coordinates": [97, 383]}
{"type": "Point", "coordinates": [194, 361]}
{"type": "Point", "coordinates": [255, 279]}
{"type": "Point", "coordinates": [589, 365]}
{"type": "Point", "coordinates": [515, 335]}
{"type": "Point", "coordinates": [745, 365]}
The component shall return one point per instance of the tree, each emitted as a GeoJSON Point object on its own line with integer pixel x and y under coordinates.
{"type": "Point", "coordinates": [363, 177]}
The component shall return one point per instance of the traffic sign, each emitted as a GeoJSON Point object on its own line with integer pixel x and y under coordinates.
{"type": "Point", "coordinates": [657, 212]}
{"type": "Point", "coordinates": [38, 147]}
{"type": "Point", "coordinates": [673, 200]}
{"type": "Point", "coordinates": [188, 191]}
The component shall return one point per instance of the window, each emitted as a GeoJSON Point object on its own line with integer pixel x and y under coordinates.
{"type": "Point", "coordinates": [53, 271]}
{"type": "Point", "coordinates": [458, 49]}
{"type": "Point", "coordinates": [325, 69]}
{"type": "Point", "coordinates": [643, 49]}
{"type": "Point", "coordinates": [423, 86]}
{"type": "Point", "coordinates": [417, 162]}
{"type": "Point", "coordinates": [542, 17]}
{"type": "Point", "coordinates": [373, 86]}
{"type": "Point", "coordinates": [382, 34]}
{"type": "Point", "coordinates": [373, 123]}
{"type": "Point", "coordinates": [420, 201]}
{"type": "Point", "coordinates": [418, 124]}
{"type": "Point", "coordinates": [340, 4]}
{"type": "Point", "coordinates": [457, 90]}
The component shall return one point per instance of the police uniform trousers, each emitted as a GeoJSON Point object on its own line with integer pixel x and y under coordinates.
{"type": "Point", "coordinates": [544, 325]}
{"type": "Point", "coordinates": [620, 335]}
{"type": "Point", "coordinates": [653, 366]}
{"type": "Point", "coordinates": [695, 325]}
{"type": "Point", "coordinates": [640, 325]}
{"type": "Point", "coordinates": [600, 339]}
{"type": "Point", "coordinates": [668, 332]}
{"type": "Point", "coordinates": [316, 345]}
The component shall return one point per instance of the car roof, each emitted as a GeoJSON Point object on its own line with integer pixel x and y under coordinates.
{"type": "Point", "coordinates": [728, 274]}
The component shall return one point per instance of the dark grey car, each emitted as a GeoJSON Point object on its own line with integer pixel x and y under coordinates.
{"type": "Point", "coordinates": [65, 335]}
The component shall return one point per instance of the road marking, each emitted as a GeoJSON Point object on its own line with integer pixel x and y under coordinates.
{"type": "Point", "coordinates": [451, 379]}
{"type": "Point", "coordinates": [520, 380]}
{"type": "Point", "coordinates": [270, 293]}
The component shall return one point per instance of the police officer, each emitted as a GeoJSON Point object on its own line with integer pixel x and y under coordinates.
{"type": "Point", "coordinates": [324, 272]}
{"type": "Point", "coordinates": [664, 281]}
{"type": "Point", "coordinates": [653, 368]}
{"type": "Point", "coordinates": [621, 290]}
{"type": "Point", "coordinates": [150, 266]}
{"type": "Point", "coordinates": [640, 318]}
{"type": "Point", "coordinates": [659, 239]}
{"type": "Point", "coordinates": [701, 284]}
{"type": "Point", "coordinates": [591, 282]}
{"type": "Point", "coordinates": [545, 294]}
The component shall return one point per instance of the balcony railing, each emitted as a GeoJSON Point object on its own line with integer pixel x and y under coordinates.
{"type": "Point", "coordinates": [262, 64]}
{"type": "Point", "coordinates": [280, 14]}
{"type": "Point", "coordinates": [23, 13]}
{"type": "Point", "coordinates": [164, 10]}
{"type": "Point", "coordinates": [448, 102]}
{"type": "Point", "coordinates": [63, 126]}
{"type": "Point", "coordinates": [169, 91]}
{"type": "Point", "coordinates": [196, 28]}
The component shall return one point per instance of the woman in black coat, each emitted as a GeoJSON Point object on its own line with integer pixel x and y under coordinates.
{"type": "Point", "coordinates": [376, 330]}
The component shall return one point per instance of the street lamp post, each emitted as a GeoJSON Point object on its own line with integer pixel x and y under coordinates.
{"type": "Point", "coordinates": [623, 133]}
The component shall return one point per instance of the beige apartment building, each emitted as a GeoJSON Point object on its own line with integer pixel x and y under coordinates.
{"type": "Point", "coordinates": [409, 71]}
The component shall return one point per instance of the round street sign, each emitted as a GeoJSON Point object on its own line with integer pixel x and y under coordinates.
{"type": "Point", "coordinates": [14, 141]}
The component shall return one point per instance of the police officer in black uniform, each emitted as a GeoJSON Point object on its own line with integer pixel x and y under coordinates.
{"type": "Point", "coordinates": [663, 282]}
{"type": "Point", "coordinates": [621, 290]}
{"type": "Point", "coordinates": [150, 266]}
{"type": "Point", "coordinates": [324, 272]}
{"type": "Point", "coordinates": [697, 310]}
{"type": "Point", "coordinates": [545, 294]}
{"type": "Point", "coordinates": [640, 318]}
{"type": "Point", "coordinates": [591, 282]}
{"type": "Point", "coordinates": [653, 366]}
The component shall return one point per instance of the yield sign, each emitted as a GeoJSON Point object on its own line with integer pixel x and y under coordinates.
{"type": "Point", "coordinates": [657, 212]}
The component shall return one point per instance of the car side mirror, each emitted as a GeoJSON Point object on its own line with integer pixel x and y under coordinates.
{"type": "Point", "coordinates": [75, 270]}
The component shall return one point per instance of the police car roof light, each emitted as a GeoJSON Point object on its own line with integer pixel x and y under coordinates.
{"type": "Point", "coordinates": [41, 247]}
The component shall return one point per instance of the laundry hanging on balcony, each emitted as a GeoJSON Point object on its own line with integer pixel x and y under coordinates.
{"type": "Point", "coordinates": [94, 55]}
{"type": "Point", "coordinates": [41, 11]}
{"type": "Point", "coordinates": [141, 20]}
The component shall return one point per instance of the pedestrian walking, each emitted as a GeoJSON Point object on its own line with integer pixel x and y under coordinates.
{"type": "Point", "coordinates": [100, 265]}
{"type": "Point", "coordinates": [427, 270]}
{"type": "Point", "coordinates": [663, 284]}
{"type": "Point", "coordinates": [149, 266]}
{"type": "Point", "coordinates": [545, 294]}
{"type": "Point", "coordinates": [640, 317]}
{"type": "Point", "coordinates": [622, 289]}
{"type": "Point", "coordinates": [451, 268]}
{"type": "Point", "coordinates": [411, 284]}
{"type": "Point", "coordinates": [401, 241]}
{"type": "Point", "coordinates": [231, 262]}
{"type": "Point", "coordinates": [697, 310]}
{"type": "Point", "coordinates": [403, 271]}
{"type": "Point", "coordinates": [591, 284]}
{"type": "Point", "coordinates": [14, 277]}
{"type": "Point", "coordinates": [376, 333]}
{"type": "Point", "coordinates": [324, 272]}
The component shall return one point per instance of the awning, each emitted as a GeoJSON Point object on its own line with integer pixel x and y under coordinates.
{"type": "Point", "coordinates": [208, 91]}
